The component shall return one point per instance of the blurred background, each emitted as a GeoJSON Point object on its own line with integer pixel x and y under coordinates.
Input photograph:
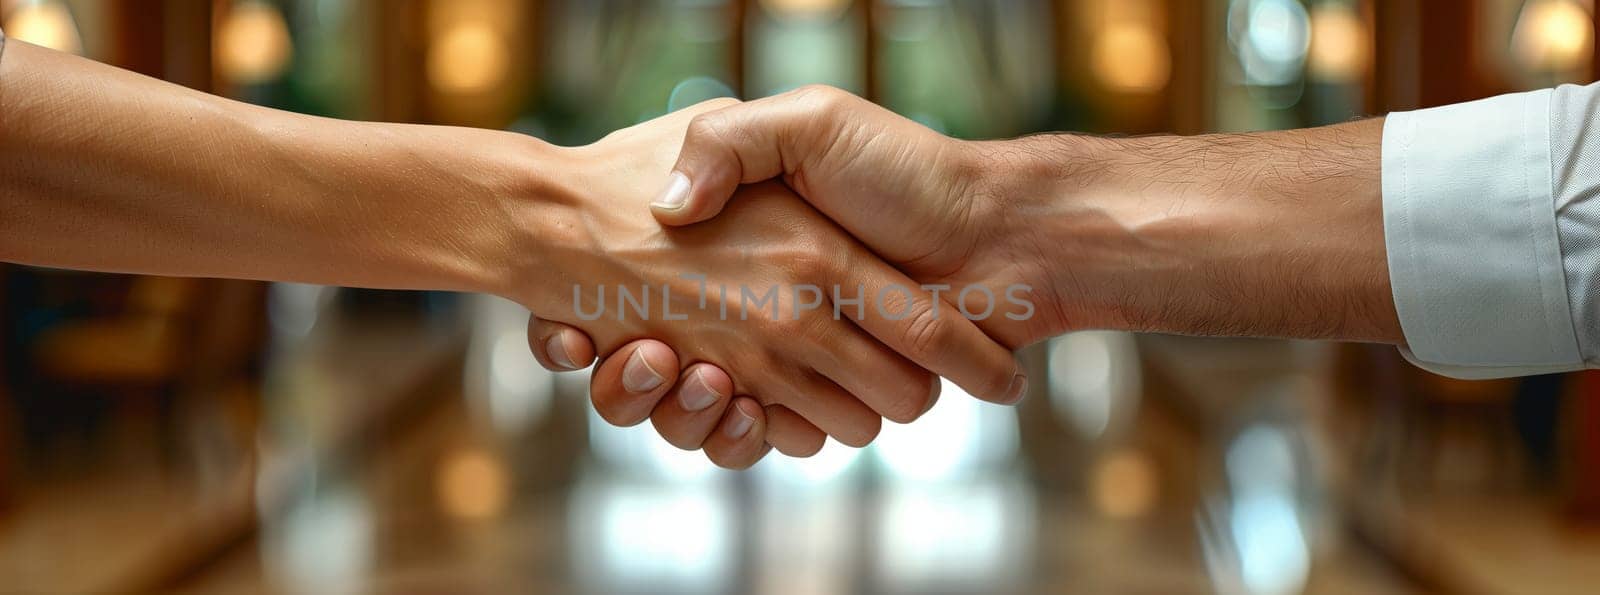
{"type": "Point", "coordinates": [219, 436]}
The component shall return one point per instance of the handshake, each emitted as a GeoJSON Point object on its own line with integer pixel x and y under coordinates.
{"type": "Point", "coordinates": [765, 274]}
{"type": "Point", "coordinates": [761, 275]}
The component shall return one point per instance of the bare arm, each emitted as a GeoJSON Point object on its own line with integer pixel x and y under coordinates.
{"type": "Point", "coordinates": [1265, 234]}
{"type": "Point", "coordinates": [104, 169]}
{"type": "Point", "coordinates": [1268, 234]}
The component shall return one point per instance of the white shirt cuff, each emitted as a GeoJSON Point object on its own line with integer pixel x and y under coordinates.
{"type": "Point", "coordinates": [1470, 227]}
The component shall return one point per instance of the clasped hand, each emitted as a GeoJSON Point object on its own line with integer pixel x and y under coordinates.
{"type": "Point", "coordinates": [785, 320]}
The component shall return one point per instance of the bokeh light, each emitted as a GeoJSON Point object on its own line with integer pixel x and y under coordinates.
{"type": "Point", "coordinates": [960, 435]}
{"type": "Point", "coordinates": [1094, 380]}
{"type": "Point", "coordinates": [45, 24]}
{"type": "Point", "coordinates": [469, 50]}
{"type": "Point", "coordinates": [1271, 38]}
{"type": "Point", "coordinates": [806, 9]}
{"type": "Point", "coordinates": [252, 44]}
{"type": "Point", "coordinates": [1340, 48]}
{"type": "Point", "coordinates": [1131, 58]}
{"type": "Point", "coordinates": [1553, 35]}
{"type": "Point", "coordinates": [955, 537]}
{"type": "Point", "coordinates": [1124, 485]}
{"type": "Point", "coordinates": [472, 484]}
{"type": "Point", "coordinates": [467, 59]}
{"type": "Point", "coordinates": [648, 537]}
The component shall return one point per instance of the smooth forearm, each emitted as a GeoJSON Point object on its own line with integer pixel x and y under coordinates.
{"type": "Point", "coordinates": [102, 169]}
{"type": "Point", "coordinates": [1268, 234]}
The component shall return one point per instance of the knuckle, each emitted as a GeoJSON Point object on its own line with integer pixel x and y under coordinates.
{"type": "Point", "coordinates": [803, 326]}
{"type": "Point", "coordinates": [860, 438]}
{"type": "Point", "coordinates": [705, 128]}
{"type": "Point", "coordinates": [821, 96]}
{"type": "Point", "coordinates": [719, 102]}
{"type": "Point", "coordinates": [925, 330]}
{"type": "Point", "coordinates": [810, 261]}
{"type": "Point", "coordinates": [909, 400]}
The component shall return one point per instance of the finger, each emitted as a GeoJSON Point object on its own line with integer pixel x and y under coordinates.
{"type": "Point", "coordinates": [833, 410]}
{"type": "Point", "coordinates": [891, 385]}
{"type": "Point", "coordinates": [558, 347]}
{"type": "Point", "coordinates": [742, 144]}
{"type": "Point", "coordinates": [737, 442]}
{"type": "Point", "coordinates": [692, 408]}
{"type": "Point", "coordinates": [626, 386]}
{"type": "Point", "coordinates": [791, 434]}
{"type": "Point", "coordinates": [932, 333]}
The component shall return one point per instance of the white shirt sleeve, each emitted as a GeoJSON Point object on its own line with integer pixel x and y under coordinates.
{"type": "Point", "coordinates": [1492, 223]}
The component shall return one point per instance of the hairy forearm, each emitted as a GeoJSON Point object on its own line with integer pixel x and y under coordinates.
{"type": "Point", "coordinates": [102, 169]}
{"type": "Point", "coordinates": [1268, 234]}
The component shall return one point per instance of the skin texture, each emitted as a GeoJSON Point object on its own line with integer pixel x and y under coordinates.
{"type": "Point", "coordinates": [771, 239]}
{"type": "Point", "coordinates": [1205, 235]}
{"type": "Point", "coordinates": [106, 170]}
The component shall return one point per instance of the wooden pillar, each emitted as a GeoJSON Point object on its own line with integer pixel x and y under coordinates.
{"type": "Point", "coordinates": [1427, 54]}
{"type": "Point", "coordinates": [137, 31]}
{"type": "Point", "coordinates": [169, 40]}
{"type": "Point", "coordinates": [1190, 93]}
{"type": "Point", "coordinates": [869, 49]}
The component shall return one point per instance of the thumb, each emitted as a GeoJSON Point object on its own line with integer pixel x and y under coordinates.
{"type": "Point", "coordinates": [739, 144]}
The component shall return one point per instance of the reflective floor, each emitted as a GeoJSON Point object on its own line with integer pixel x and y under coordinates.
{"type": "Point", "coordinates": [392, 456]}
{"type": "Point", "coordinates": [440, 511]}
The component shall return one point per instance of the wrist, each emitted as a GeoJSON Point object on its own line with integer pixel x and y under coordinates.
{"type": "Point", "coordinates": [539, 213]}
{"type": "Point", "coordinates": [1050, 201]}
{"type": "Point", "coordinates": [399, 206]}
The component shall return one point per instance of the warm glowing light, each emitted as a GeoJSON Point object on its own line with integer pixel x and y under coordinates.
{"type": "Point", "coordinates": [805, 8]}
{"type": "Point", "coordinates": [1131, 58]}
{"type": "Point", "coordinates": [1339, 48]}
{"type": "Point", "coordinates": [46, 24]}
{"type": "Point", "coordinates": [1124, 485]}
{"type": "Point", "coordinates": [444, 16]}
{"type": "Point", "coordinates": [253, 44]}
{"type": "Point", "coordinates": [1555, 35]}
{"type": "Point", "coordinates": [468, 58]}
{"type": "Point", "coordinates": [472, 485]}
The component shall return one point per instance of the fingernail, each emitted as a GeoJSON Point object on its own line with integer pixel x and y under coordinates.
{"type": "Point", "coordinates": [638, 376]}
{"type": "Point", "coordinates": [697, 394]}
{"type": "Point", "coordinates": [676, 194]}
{"type": "Point", "coordinates": [741, 423]}
{"type": "Point", "coordinates": [556, 349]}
{"type": "Point", "coordinates": [1019, 388]}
